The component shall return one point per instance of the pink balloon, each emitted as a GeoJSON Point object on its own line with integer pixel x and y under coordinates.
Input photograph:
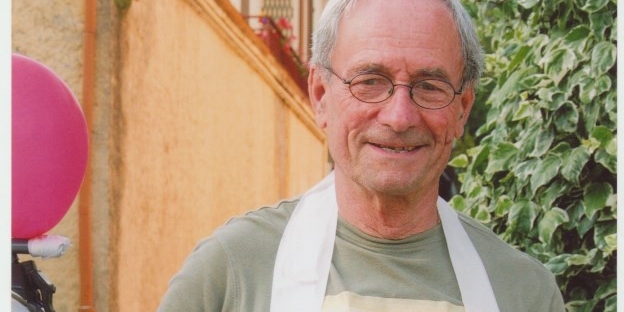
{"type": "Point", "coordinates": [50, 146]}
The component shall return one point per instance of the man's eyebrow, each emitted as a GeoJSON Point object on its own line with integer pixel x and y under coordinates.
{"type": "Point", "coordinates": [425, 73]}
{"type": "Point", "coordinates": [369, 68]}
{"type": "Point", "coordinates": [377, 68]}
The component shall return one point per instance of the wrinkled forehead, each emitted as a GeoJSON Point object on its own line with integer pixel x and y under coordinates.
{"type": "Point", "coordinates": [413, 30]}
{"type": "Point", "coordinates": [402, 13]}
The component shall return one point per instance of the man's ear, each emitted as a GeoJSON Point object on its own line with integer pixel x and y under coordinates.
{"type": "Point", "coordinates": [317, 91]}
{"type": "Point", "coordinates": [466, 102]}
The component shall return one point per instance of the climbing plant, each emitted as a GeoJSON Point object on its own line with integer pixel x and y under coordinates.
{"type": "Point", "coordinates": [542, 169]}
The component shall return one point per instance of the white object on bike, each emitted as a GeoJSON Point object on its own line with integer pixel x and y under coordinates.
{"type": "Point", "coordinates": [48, 246]}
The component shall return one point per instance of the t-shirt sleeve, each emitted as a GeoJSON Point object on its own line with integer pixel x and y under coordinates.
{"type": "Point", "coordinates": [201, 283]}
{"type": "Point", "coordinates": [556, 303]}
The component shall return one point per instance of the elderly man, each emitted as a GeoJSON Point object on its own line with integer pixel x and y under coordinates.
{"type": "Point", "coordinates": [391, 84]}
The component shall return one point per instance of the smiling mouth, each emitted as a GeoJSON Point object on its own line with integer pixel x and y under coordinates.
{"type": "Point", "coordinates": [395, 149]}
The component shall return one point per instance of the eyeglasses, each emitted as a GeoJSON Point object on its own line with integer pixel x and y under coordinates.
{"type": "Point", "coordinates": [376, 88]}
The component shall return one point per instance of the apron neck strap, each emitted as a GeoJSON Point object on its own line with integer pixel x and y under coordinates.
{"type": "Point", "coordinates": [305, 252]}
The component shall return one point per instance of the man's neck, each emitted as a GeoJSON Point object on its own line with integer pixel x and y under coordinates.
{"type": "Point", "coordinates": [390, 217]}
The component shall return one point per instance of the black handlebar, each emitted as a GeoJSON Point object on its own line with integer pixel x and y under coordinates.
{"type": "Point", "coordinates": [28, 282]}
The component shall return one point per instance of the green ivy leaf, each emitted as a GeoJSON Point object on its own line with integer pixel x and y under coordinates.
{"type": "Point", "coordinates": [606, 159]}
{"type": "Point", "coordinates": [603, 84]}
{"type": "Point", "coordinates": [603, 57]}
{"type": "Point", "coordinates": [577, 37]}
{"type": "Point", "coordinates": [552, 98]}
{"type": "Point", "coordinates": [562, 149]}
{"type": "Point", "coordinates": [458, 203]}
{"type": "Point", "coordinates": [584, 225]}
{"type": "Point", "coordinates": [578, 259]}
{"type": "Point", "coordinates": [610, 243]}
{"type": "Point", "coordinates": [574, 163]}
{"type": "Point", "coordinates": [581, 78]}
{"type": "Point", "coordinates": [558, 63]}
{"type": "Point", "coordinates": [594, 88]}
{"type": "Point", "coordinates": [591, 6]}
{"type": "Point", "coordinates": [603, 134]}
{"type": "Point", "coordinates": [611, 147]}
{"type": "Point", "coordinates": [479, 156]}
{"type": "Point", "coordinates": [527, 4]}
{"type": "Point", "coordinates": [500, 157]}
{"type": "Point", "coordinates": [546, 95]}
{"type": "Point", "coordinates": [557, 189]}
{"type": "Point", "coordinates": [591, 144]}
{"type": "Point", "coordinates": [599, 22]}
{"type": "Point", "coordinates": [519, 57]}
{"type": "Point", "coordinates": [536, 81]}
{"type": "Point", "coordinates": [580, 306]}
{"type": "Point", "coordinates": [545, 171]}
{"type": "Point", "coordinates": [611, 304]}
{"type": "Point", "coordinates": [590, 112]}
{"type": "Point", "coordinates": [482, 214]}
{"type": "Point", "coordinates": [608, 214]}
{"type": "Point", "coordinates": [552, 219]}
{"type": "Point", "coordinates": [558, 264]}
{"type": "Point", "coordinates": [460, 161]}
{"type": "Point", "coordinates": [598, 262]}
{"type": "Point", "coordinates": [510, 86]}
{"type": "Point", "coordinates": [522, 216]}
{"type": "Point", "coordinates": [526, 109]}
{"type": "Point", "coordinates": [610, 107]}
{"type": "Point", "coordinates": [607, 289]}
{"type": "Point", "coordinates": [469, 186]}
{"type": "Point", "coordinates": [605, 236]}
{"type": "Point", "coordinates": [595, 197]}
{"type": "Point", "coordinates": [503, 205]}
{"type": "Point", "coordinates": [544, 140]}
{"type": "Point", "coordinates": [525, 169]}
{"type": "Point", "coordinates": [477, 191]}
{"type": "Point", "coordinates": [566, 117]}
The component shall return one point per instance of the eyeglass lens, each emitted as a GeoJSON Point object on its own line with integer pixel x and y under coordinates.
{"type": "Point", "coordinates": [375, 88]}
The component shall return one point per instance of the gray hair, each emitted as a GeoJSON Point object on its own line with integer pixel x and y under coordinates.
{"type": "Point", "coordinates": [325, 35]}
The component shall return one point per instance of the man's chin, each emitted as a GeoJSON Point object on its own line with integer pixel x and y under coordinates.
{"type": "Point", "coordinates": [393, 184]}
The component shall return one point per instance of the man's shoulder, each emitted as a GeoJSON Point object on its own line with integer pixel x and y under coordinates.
{"type": "Point", "coordinates": [499, 256]}
{"type": "Point", "coordinates": [493, 247]}
{"type": "Point", "coordinates": [262, 225]}
{"type": "Point", "coordinates": [273, 216]}
{"type": "Point", "coordinates": [244, 239]}
{"type": "Point", "coordinates": [518, 279]}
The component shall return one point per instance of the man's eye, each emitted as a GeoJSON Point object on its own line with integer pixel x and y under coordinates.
{"type": "Point", "coordinates": [370, 80]}
{"type": "Point", "coordinates": [428, 86]}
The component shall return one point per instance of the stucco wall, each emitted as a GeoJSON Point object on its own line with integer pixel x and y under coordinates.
{"type": "Point", "coordinates": [202, 137]}
{"type": "Point", "coordinates": [193, 123]}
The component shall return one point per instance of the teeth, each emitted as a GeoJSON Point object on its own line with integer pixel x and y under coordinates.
{"type": "Point", "coordinates": [397, 149]}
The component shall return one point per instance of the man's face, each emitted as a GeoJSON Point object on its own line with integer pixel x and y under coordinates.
{"type": "Point", "coordinates": [394, 147]}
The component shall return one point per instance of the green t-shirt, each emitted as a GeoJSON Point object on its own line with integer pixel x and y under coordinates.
{"type": "Point", "coordinates": [233, 270]}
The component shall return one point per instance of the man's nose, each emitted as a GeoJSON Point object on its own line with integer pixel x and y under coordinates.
{"type": "Point", "coordinates": [399, 112]}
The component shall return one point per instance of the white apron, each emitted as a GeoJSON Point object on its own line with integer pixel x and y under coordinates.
{"type": "Point", "coordinates": [305, 253]}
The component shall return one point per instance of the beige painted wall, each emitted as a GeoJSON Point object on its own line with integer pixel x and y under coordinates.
{"type": "Point", "coordinates": [202, 144]}
{"type": "Point", "coordinates": [194, 122]}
